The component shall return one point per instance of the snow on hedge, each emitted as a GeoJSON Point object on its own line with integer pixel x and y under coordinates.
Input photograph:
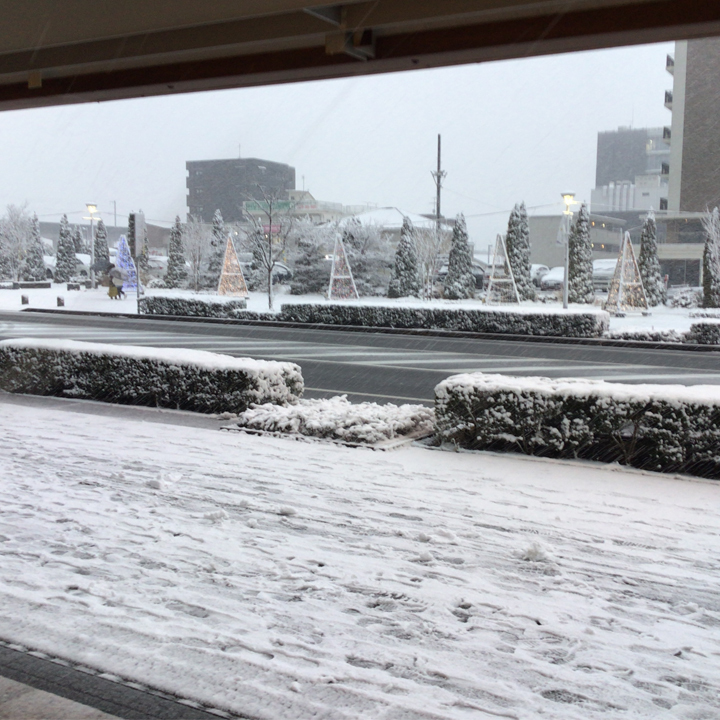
{"type": "Point", "coordinates": [338, 419]}
{"type": "Point", "coordinates": [518, 320]}
{"type": "Point", "coordinates": [191, 307]}
{"type": "Point", "coordinates": [163, 377]}
{"type": "Point", "coordinates": [666, 428]}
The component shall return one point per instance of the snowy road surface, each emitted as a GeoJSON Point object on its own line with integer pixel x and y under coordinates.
{"type": "Point", "coordinates": [288, 580]}
{"type": "Point", "coordinates": [377, 366]}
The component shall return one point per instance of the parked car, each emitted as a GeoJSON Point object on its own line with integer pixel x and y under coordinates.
{"type": "Point", "coordinates": [553, 279]}
{"type": "Point", "coordinates": [603, 272]}
{"type": "Point", "coordinates": [538, 272]}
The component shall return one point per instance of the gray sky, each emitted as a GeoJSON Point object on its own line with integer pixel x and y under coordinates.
{"type": "Point", "coordinates": [513, 130]}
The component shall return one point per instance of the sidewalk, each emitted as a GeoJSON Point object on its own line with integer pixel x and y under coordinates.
{"type": "Point", "coordinates": [290, 580]}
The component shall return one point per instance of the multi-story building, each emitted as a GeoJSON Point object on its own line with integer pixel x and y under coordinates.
{"type": "Point", "coordinates": [226, 185]}
{"type": "Point", "coordinates": [632, 170]}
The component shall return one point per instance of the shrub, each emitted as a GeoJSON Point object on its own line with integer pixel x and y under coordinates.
{"type": "Point", "coordinates": [190, 307]}
{"type": "Point", "coordinates": [663, 428]}
{"type": "Point", "coordinates": [704, 333]}
{"type": "Point", "coordinates": [588, 324]}
{"type": "Point", "coordinates": [183, 379]}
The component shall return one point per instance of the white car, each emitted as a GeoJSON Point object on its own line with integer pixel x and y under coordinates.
{"type": "Point", "coordinates": [538, 272]}
{"type": "Point", "coordinates": [553, 279]}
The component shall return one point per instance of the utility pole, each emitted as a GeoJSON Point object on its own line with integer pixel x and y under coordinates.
{"type": "Point", "coordinates": [438, 176]}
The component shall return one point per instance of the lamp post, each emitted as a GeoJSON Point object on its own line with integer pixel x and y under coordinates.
{"type": "Point", "coordinates": [92, 209]}
{"type": "Point", "coordinates": [568, 199]}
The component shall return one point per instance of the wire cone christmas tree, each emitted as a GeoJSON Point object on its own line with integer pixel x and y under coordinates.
{"type": "Point", "coordinates": [232, 280]}
{"type": "Point", "coordinates": [125, 263]}
{"type": "Point", "coordinates": [501, 286]}
{"type": "Point", "coordinates": [342, 285]}
{"type": "Point", "coordinates": [626, 289]}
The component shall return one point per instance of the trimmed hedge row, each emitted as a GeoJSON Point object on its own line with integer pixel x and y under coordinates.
{"type": "Point", "coordinates": [190, 307]}
{"type": "Point", "coordinates": [188, 380]}
{"type": "Point", "coordinates": [663, 428]}
{"type": "Point", "coordinates": [486, 321]}
{"type": "Point", "coordinates": [704, 334]}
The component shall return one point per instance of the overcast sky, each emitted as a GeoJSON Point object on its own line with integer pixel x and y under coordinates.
{"type": "Point", "coordinates": [513, 130]}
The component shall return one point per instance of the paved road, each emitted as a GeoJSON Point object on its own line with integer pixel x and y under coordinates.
{"type": "Point", "coordinates": [378, 366]}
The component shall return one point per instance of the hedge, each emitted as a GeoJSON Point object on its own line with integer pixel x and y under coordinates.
{"type": "Point", "coordinates": [183, 379]}
{"type": "Point", "coordinates": [704, 334]}
{"type": "Point", "coordinates": [665, 428]}
{"type": "Point", "coordinates": [574, 324]}
{"type": "Point", "coordinates": [190, 307]}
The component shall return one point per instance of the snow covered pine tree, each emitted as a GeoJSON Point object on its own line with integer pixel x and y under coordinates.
{"type": "Point", "coordinates": [405, 279]}
{"type": "Point", "coordinates": [34, 266]}
{"type": "Point", "coordinates": [216, 252]}
{"type": "Point", "coordinates": [580, 270]}
{"type": "Point", "coordinates": [517, 244]}
{"type": "Point", "coordinates": [459, 282]}
{"type": "Point", "coordinates": [711, 260]}
{"type": "Point", "coordinates": [65, 260]}
{"type": "Point", "coordinates": [176, 270]}
{"type": "Point", "coordinates": [648, 263]}
{"type": "Point", "coordinates": [102, 252]}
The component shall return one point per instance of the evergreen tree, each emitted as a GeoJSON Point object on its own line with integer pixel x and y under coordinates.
{"type": "Point", "coordinates": [580, 268]}
{"type": "Point", "coordinates": [517, 243]}
{"type": "Point", "coordinates": [78, 242]}
{"type": "Point", "coordinates": [34, 266]}
{"type": "Point", "coordinates": [711, 260]}
{"type": "Point", "coordinates": [459, 281]}
{"type": "Point", "coordinates": [65, 260]}
{"type": "Point", "coordinates": [102, 253]}
{"type": "Point", "coordinates": [143, 263]}
{"type": "Point", "coordinates": [311, 273]}
{"type": "Point", "coordinates": [131, 235]}
{"type": "Point", "coordinates": [176, 271]}
{"type": "Point", "coordinates": [648, 263]}
{"type": "Point", "coordinates": [405, 279]}
{"type": "Point", "coordinates": [216, 255]}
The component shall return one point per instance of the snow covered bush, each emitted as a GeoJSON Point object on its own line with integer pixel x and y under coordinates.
{"type": "Point", "coordinates": [338, 419]}
{"type": "Point", "coordinates": [686, 298]}
{"type": "Point", "coordinates": [557, 324]}
{"type": "Point", "coordinates": [704, 334]}
{"type": "Point", "coordinates": [671, 336]}
{"type": "Point", "coordinates": [190, 307]}
{"type": "Point", "coordinates": [183, 379]}
{"type": "Point", "coordinates": [665, 428]}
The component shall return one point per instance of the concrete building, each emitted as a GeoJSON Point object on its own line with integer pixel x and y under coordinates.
{"type": "Point", "coordinates": [226, 185]}
{"type": "Point", "coordinates": [631, 171]}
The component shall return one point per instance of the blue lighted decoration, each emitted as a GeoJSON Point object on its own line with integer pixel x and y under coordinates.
{"type": "Point", "coordinates": [125, 263]}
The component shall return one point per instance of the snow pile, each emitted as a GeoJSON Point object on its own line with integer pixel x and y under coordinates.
{"type": "Point", "coordinates": [161, 377]}
{"type": "Point", "coordinates": [338, 419]}
{"type": "Point", "coordinates": [666, 428]}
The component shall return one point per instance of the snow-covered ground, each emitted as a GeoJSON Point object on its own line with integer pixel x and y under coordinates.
{"type": "Point", "coordinates": [292, 580]}
{"type": "Point", "coordinates": [661, 318]}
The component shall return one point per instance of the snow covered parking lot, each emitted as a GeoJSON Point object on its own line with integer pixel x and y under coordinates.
{"type": "Point", "coordinates": [289, 580]}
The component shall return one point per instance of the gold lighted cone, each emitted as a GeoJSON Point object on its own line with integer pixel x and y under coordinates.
{"type": "Point", "coordinates": [232, 280]}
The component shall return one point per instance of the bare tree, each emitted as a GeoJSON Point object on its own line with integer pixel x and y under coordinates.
{"type": "Point", "coordinates": [269, 235]}
{"type": "Point", "coordinates": [15, 236]}
{"type": "Point", "coordinates": [196, 241]}
{"type": "Point", "coordinates": [431, 245]}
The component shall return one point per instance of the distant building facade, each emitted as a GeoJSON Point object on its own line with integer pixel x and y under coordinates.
{"type": "Point", "coordinates": [632, 170]}
{"type": "Point", "coordinates": [226, 185]}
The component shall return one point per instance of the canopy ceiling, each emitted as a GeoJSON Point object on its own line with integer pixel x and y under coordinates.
{"type": "Point", "coordinates": [88, 50]}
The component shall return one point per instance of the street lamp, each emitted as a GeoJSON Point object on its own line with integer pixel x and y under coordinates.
{"type": "Point", "coordinates": [568, 199]}
{"type": "Point", "coordinates": [92, 209]}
